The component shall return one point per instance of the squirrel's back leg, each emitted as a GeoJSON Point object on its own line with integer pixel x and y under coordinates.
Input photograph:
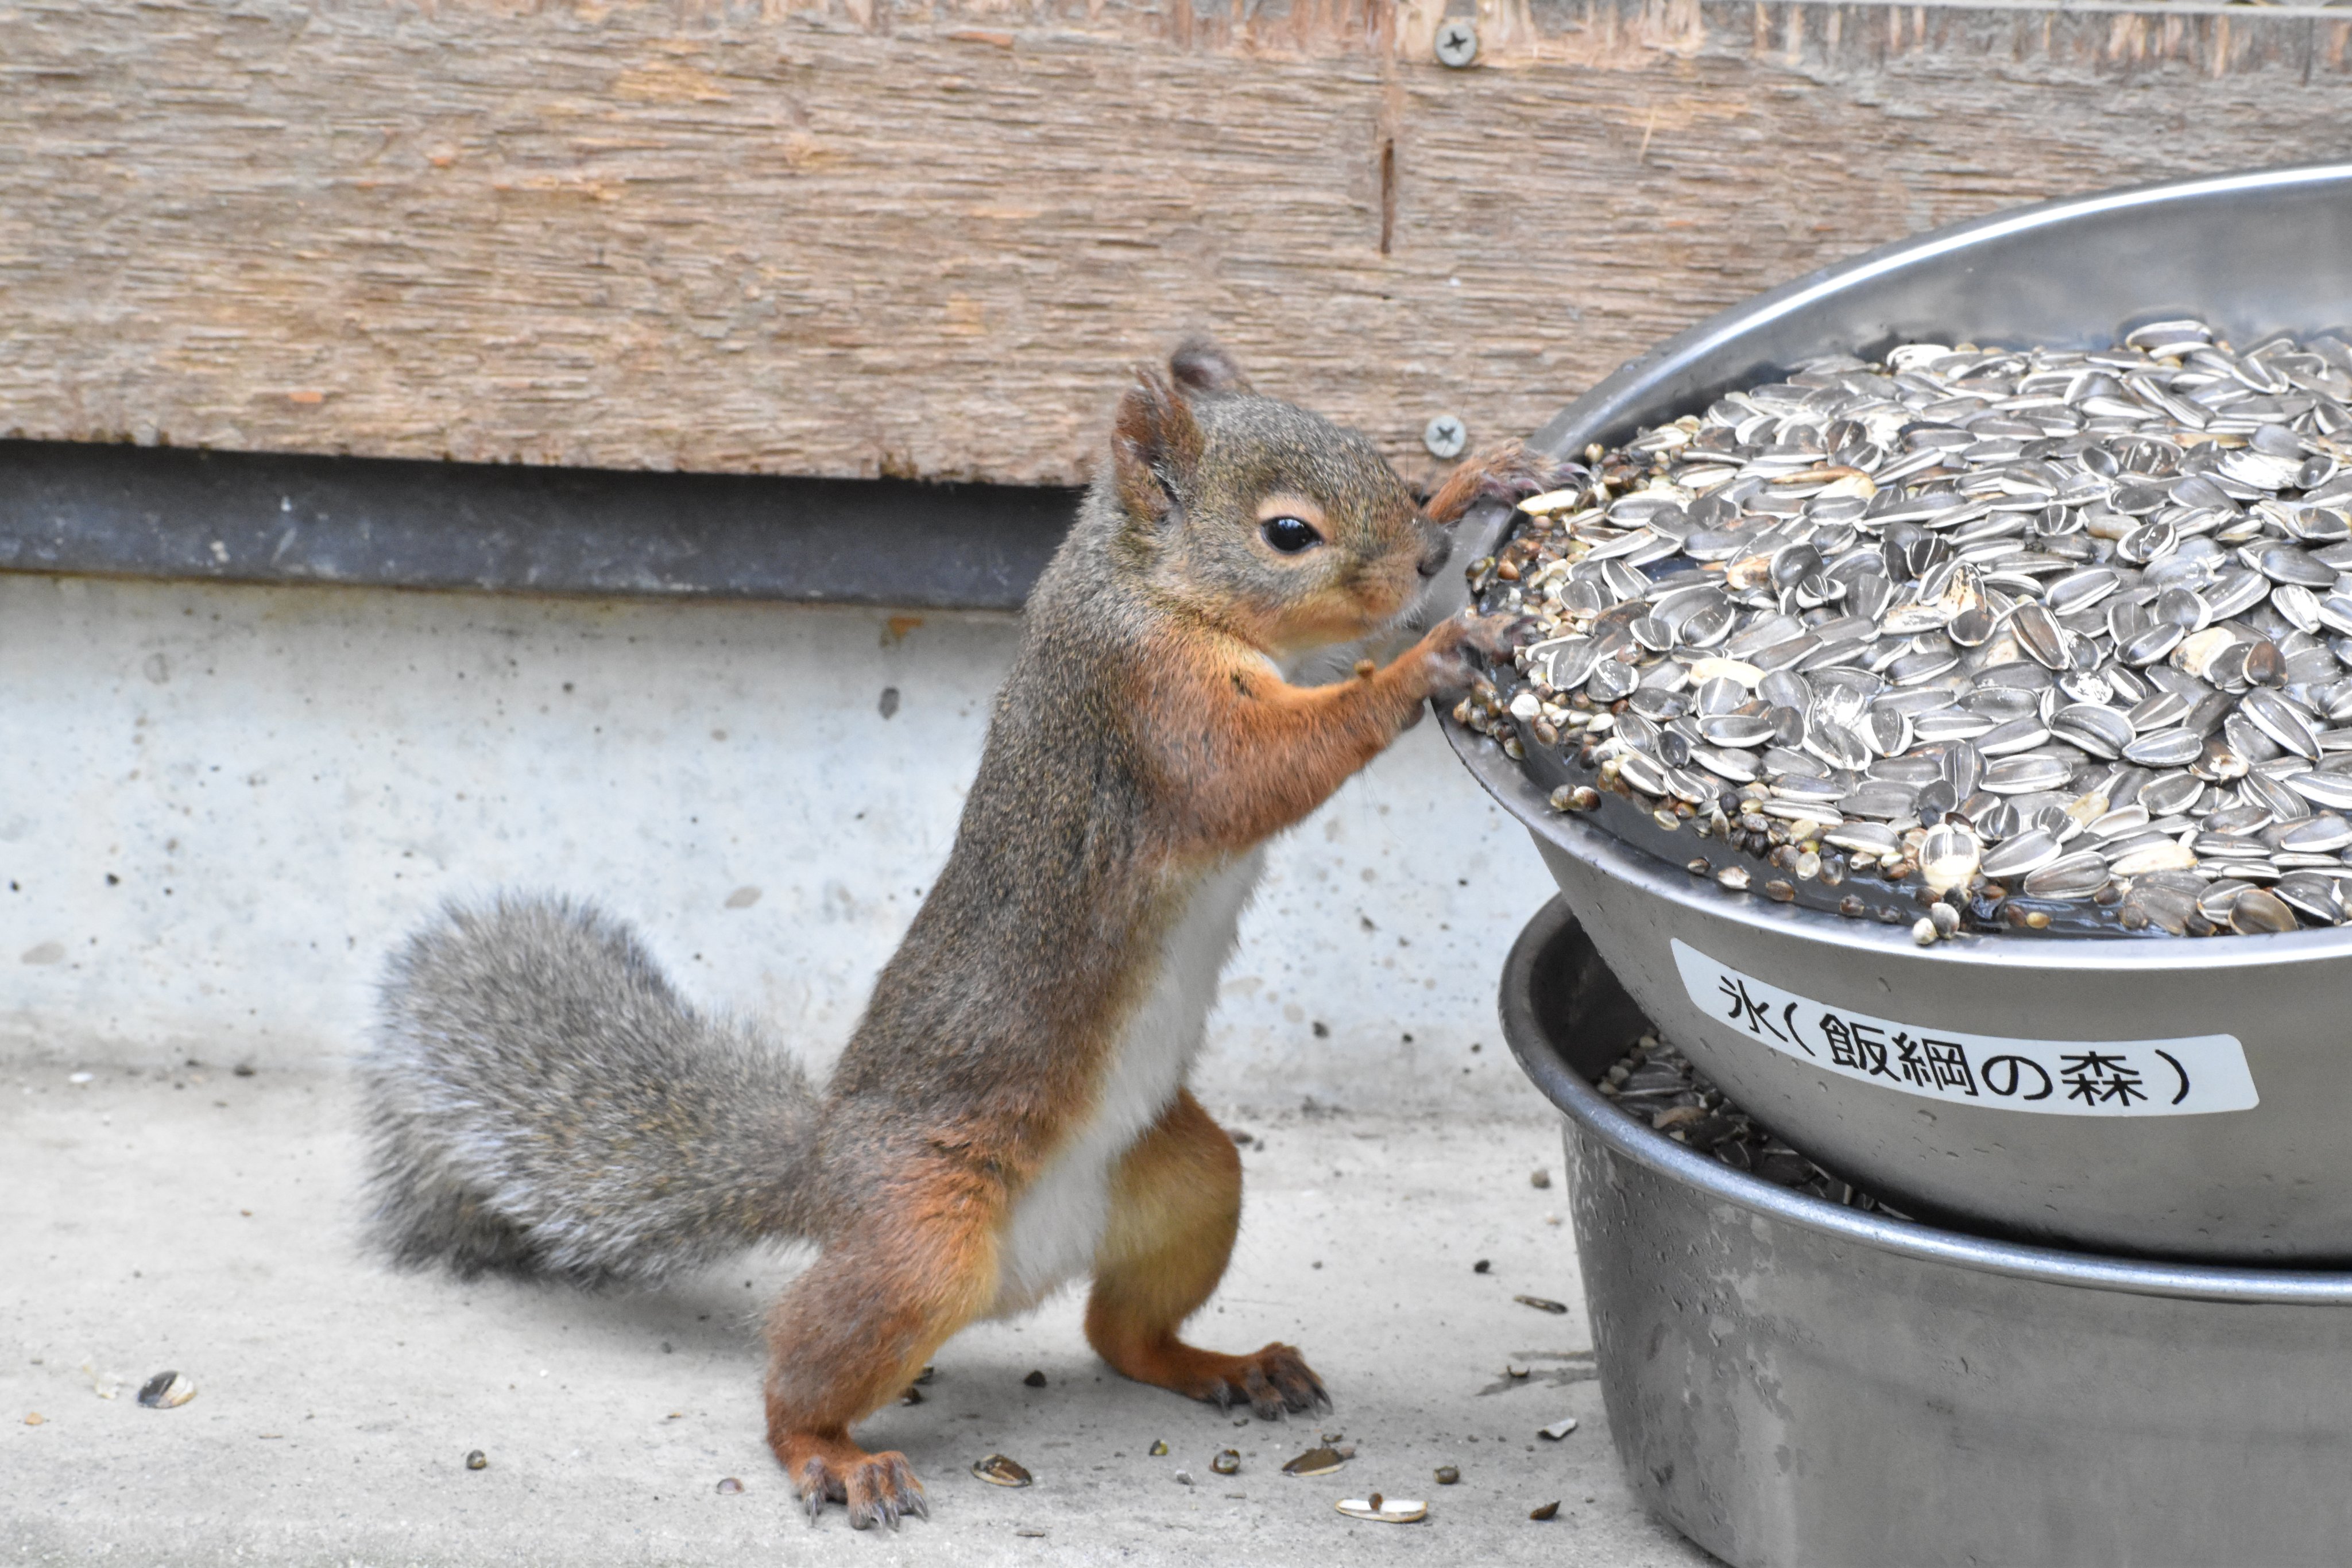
{"type": "Point", "coordinates": [1176, 1203]}
{"type": "Point", "coordinates": [850, 1335]}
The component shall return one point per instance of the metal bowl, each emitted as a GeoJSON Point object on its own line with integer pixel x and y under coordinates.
{"type": "Point", "coordinates": [1792, 1382]}
{"type": "Point", "coordinates": [2174, 1097]}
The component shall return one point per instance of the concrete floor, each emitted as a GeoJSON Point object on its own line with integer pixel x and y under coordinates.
{"type": "Point", "coordinates": [193, 1220]}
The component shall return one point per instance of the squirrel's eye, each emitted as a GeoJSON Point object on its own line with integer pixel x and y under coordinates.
{"type": "Point", "coordinates": [1291, 535]}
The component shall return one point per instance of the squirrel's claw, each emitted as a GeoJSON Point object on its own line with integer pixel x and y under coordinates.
{"type": "Point", "coordinates": [876, 1488]}
{"type": "Point", "coordinates": [1507, 472]}
{"type": "Point", "coordinates": [814, 1484]}
{"type": "Point", "coordinates": [1277, 1382]}
{"type": "Point", "coordinates": [1498, 637]}
{"type": "Point", "coordinates": [883, 1488]}
{"type": "Point", "coordinates": [1293, 1380]}
{"type": "Point", "coordinates": [1264, 1402]}
{"type": "Point", "coordinates": [1453, 642]}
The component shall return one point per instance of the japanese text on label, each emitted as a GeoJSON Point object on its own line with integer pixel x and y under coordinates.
{"type": "Point", "coordinates": [2189, 1076]}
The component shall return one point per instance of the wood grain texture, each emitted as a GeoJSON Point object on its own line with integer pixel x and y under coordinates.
{"type": "Point", "coordinates": [861, 237]}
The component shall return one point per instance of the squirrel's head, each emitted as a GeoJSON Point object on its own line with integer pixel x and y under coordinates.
{"type": "Point", "coordinates": [1289, 530]}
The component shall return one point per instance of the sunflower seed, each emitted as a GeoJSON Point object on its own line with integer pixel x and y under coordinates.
{"type": "Point", "coordinates": [2286, 563]}
{"type": "Point", "coordinates": [2317, 835]}
{"type": "Point", "coordinates": [2023, 775]}
{"type": "Point", "coordinates": [1875, 838]}
{"type": "Point", "coordinates": [1948, 856]}
{"type": "Point", "coordinates": [2096, 728]}
{"type": "Point", "coordinates": [2257, 911]}
{"type": "Point", "coordinates": [2150, 643]}
{"type": "Point", "coordinates": [2280, 721]}
{"type": "Point", "coordinates": [2332, 791]}
{"type": "Point", "coordinates": [167, 1391]}
{"type": "Point", "coordinates": [1610, 679]}
{"type": "Point", "coordinates": [2165, 749]}
{"type": "Point", "coordinates": [998, 1470]}
{"type": "Point", "coordinates": [2029, 851]}
{"type": "Point", "coordinates": [2017, 734]}
{"type": "Point", "coordinates": [2077, 875]}
{"type": "Point", "coordinates": [2038, 632]}
{"type": "Point", "coordinates": [1737, 730]}
{"type": "Point", "coordinates": [2118, 652]}
{"type": "Point", "coordinates": [2161, 854]}
{"type": "Point", "coordinates": [2312, 894]}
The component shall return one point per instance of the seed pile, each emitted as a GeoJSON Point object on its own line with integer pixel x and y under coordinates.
{"type": "Point", "coordinates": [1971, 639]}
{"type": "Point", "coordinates": [1656, 1083]}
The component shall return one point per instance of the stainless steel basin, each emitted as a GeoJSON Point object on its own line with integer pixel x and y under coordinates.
{"type": "Point", "coordinates": [1789, 1382]}
{"type": "Point", "coordinates": [2167, 1097]}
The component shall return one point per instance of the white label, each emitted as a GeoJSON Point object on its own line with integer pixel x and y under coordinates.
{"type": "Point", "coordinates": [2189, 1076]}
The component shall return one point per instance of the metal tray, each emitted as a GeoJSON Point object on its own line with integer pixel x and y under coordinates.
{"type": "Point", "coordinates": [2141, 1155]}
{"type": "Point", "coordinates": [1789, 1382]}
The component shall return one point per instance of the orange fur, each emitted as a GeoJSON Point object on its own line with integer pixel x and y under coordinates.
{"type": "Point", "coordinates": [850, 1335]}
{"type": "Point", "coordinates": [1248, 754]}
{"type": "Point", "coordinates": [1176, 1204]}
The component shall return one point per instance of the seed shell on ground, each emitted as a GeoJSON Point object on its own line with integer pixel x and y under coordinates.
{"type": "Point", "coordinates": [998, 1470]}
{"type": "Point", "coordinates": [167, 1391]}
{"type": "Point", "coordinates": [1385, 1511]}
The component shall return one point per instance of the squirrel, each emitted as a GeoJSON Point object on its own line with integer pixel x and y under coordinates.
{"type": "Point", "coordinates": [1011, 1112]}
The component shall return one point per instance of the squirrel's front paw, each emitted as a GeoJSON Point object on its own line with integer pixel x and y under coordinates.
{"type": "Point", "coordinates": [1498, 637]}
{"type": "Point", "coordinates": [1450, 644]}
{"type": "Point", "coordinates": [1446, 671]}
{"type": "Point", "coordinates": [1509, 473]}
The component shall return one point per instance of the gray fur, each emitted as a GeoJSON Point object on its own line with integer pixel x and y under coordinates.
{"type": "Point", "coordinates": [540, 1102]}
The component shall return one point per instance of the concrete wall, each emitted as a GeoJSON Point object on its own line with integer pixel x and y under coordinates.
{"type": "Point", "coordinates": [219, 806]}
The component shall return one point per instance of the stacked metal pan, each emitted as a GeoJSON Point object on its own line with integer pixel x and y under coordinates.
{"type": "Point", "coordinates": [1792, 1382]}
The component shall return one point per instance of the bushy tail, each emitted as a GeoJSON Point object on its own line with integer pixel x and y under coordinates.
{"type": "Point", "coordinates": [540, 1102]}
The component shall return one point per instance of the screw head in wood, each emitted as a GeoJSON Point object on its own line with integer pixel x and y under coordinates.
{"type": "Point", "coordinates": [1457, 43]}
{"type": "Point", "coordinates": [1445, 437]}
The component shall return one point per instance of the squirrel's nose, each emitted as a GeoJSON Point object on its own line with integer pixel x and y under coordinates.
{"type": "Point", "coordinates": [1434, 560]}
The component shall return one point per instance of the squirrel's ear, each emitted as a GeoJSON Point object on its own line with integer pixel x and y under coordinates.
{"type": "Point", "coordinates": [1155, 445]}
{"type": "Point", "coordinates": [1199, 365]}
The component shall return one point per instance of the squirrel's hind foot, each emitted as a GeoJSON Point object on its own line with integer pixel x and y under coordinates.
{"type": "Point", "coordinates": [1273, 1382]}
{"type": "Point", "coordinates": [875, 1486]}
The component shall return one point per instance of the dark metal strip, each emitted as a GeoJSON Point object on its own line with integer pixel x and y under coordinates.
{"type": "Point", "coordinates": [128, 511]}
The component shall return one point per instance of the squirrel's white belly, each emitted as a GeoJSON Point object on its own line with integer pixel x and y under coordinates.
{"type": "Point", "coordinates": [1057, 1223]}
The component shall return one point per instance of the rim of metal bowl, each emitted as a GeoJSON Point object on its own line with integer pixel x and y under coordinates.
{"type": "Point", "coordinates": [2124, 953]}
{"type": "Point", "coordinates": [1577, 1100]}
{"type": "Point", "coordinates": [1611, 410]}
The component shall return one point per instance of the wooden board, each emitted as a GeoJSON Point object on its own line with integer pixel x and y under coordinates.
{"type": "Point", "coordinates": [926, 236]}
